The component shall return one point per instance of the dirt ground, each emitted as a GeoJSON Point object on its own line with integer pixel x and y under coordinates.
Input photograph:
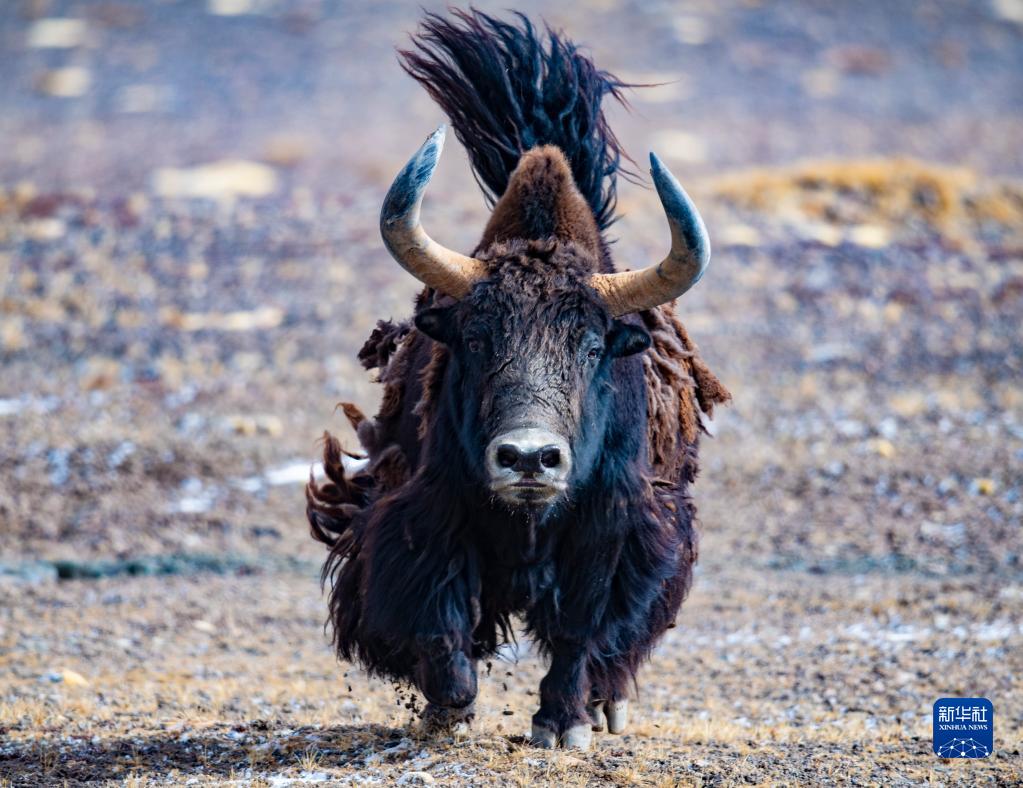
{"type": "Point", "coordinates": [189, 262]}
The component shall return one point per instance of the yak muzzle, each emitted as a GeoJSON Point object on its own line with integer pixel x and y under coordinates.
{"type": "Point", "coordinates": [528, 466]}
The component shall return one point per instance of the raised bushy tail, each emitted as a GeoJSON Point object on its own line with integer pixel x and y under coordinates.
{"type": "Point", "coordinates": [508, 88]}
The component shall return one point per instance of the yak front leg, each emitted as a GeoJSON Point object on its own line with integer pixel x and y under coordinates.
{"type": "Point", "coordinates": [446, 675]}
{"type": "Point", "coordinates": [562, 718]}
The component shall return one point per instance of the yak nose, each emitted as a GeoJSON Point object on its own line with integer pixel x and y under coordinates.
{"type": "Point", "coordinates": [525, 461]}
{"type": "Point", "coordinates": [529, 462]}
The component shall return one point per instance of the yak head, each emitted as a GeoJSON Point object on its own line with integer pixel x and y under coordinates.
{"type": "Point", "coordinates": [535, 320]}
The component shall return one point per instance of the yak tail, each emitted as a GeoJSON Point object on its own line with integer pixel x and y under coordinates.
{"type": "Point", "coordinates": [508, 89]}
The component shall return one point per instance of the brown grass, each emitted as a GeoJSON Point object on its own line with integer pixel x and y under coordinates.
{"type": "Point", "coordinates": [878, 191]}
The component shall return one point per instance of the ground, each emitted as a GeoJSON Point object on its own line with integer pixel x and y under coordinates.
{"type": "Point", "coordinates": [189, 263]}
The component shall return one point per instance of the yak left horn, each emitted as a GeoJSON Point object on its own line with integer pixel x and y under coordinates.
{"type": "Point", "coordinates": [634, 291]}
{"type": "Point", "coordinates": [432, 264]}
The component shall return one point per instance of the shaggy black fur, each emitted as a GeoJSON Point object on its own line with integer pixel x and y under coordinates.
{"type": "Point", "coordinates": [426, 566]}
{"type": "Point", "coordinates": [507, 92]}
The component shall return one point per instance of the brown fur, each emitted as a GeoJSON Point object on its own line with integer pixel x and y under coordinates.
{"type": "Point", "coordinates": [541, 189]}
{"type": "Point", "coordinates": [679, 386]}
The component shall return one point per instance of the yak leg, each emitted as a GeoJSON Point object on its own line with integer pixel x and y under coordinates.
{"type": "Point", "coordinates": [421, 600]}
{"type": "Point", "coordinates": [448, 681]}
{"type": "Point", "coordinates": [446, 675]}
{"type": "Point", "coordinates": [562, 718]}
{"type": "Point", "coordinates": [611, 675]}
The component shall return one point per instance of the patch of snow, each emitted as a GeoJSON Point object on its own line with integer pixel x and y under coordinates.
{"type": "Point", "coordinates": [195, 498]}
{"type": "Point", "coordinates": [123, 451]}
{"type": "Point", "coordinates": [292, 473]}
{"type": "Point", "coordinates": [12, 406]}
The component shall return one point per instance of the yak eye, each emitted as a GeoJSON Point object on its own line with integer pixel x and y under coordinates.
{"type": "Point", "coordinates": [593, 354]}
{"type": "Point", "coordinates": [474, 345]}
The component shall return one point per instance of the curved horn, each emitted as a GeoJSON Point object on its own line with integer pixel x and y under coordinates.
{"type": "Point", "coordinates": [633, 291]}
{"type": "Point", "coordinates": [429, 262]}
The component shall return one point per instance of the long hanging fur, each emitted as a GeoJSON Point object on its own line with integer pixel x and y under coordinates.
{"type": "Point", "coordinates": [507, 91]}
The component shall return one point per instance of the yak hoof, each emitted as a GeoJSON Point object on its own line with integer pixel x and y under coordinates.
{"type": "Point", "coordinates": [543, 737]}
{"type": "Point", "coordinates": [617, 713]}
{"type": "Point", "coordinates": [578, 737]}
{"type": "Point", "coordinates": [446, 719]}
{"type": "Point", "coordinates": [595, 708]}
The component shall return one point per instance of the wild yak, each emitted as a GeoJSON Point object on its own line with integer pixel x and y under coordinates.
{"type": "Point", "coordinates": [539, 425]}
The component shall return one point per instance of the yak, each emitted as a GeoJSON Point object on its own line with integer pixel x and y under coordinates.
{"type": "Point", "coordinates": [531, 460]}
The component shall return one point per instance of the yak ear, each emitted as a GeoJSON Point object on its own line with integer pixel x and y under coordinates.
{"type": "Point", "coordinates": [437, 323]}
{"type": "Point", "coordinates": [625, 339]}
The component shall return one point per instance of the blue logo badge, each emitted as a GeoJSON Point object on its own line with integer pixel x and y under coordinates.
{"type": "Point", "coordinates": [964, 727]}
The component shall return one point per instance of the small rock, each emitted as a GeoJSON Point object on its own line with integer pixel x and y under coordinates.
{"type": "Point", "coordinates": [11, 407]}
{"type": "Point", "coordinates": [983, 486]}
{"type": "Point", "coordinates": [230, 7]}
{"type": "Point", "coordinates": [691, 30]}
{"type": "Point", "coordinates": [249, 320]}
{"type": "Point", "coordinates": [222, 180]}
{"type": "Point", "coordinates": [262, 424]}
{"type": "Point", "coordinates": [738, 235]}
{"type": "Point", "coordinates": [123, 451]}
{"type": "Point", "coordinates": [284, 150]}
{"type": "Point", "coordinates": [12, 334]}
{"type": "Point", "coordinates": [1009, 10]}
{"type": "Point", "coordinates": [954, 534]}
{"type": "Point", "coordinates": [416, 778]}
{"type": "Point", "coordinates": [681, 146]}
{"type": "Point", "coordinates": [69, 82]}
{"type": "Point", "coordinates": [828, 352]}
{"type": "Point", "coordinates": [138, 99]}
{"type": "Point", "coordinates": [850, 428]}
{"type": "Point", "coordinates": [884, 448]}
{"type": "Point", "coordinates": [204, 626]}
{"type": "Point", "coordinates": [99, 373]}
{"type": "Point", "coordinates": [909, 404]}
{"type": "Point", "coordinates": [820, 83]}
{"type": "Point", "coordinates": [821, 232]}
{"type": "Point", "coordinates": [888, 428]}
{"type": "Point", "coordinates": [73, 679]}
{"type": "Point", "coordinates": [871, 236]}
{"type": "Point", "coordinates": [56, 33]}
{"type": "Point", "coordinates": [860, 60]}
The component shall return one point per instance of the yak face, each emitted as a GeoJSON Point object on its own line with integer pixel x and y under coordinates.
{"type": "Point", "coordinates": [531, 353]}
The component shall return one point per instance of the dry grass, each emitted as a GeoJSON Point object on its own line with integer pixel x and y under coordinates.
{"type": "Point", "coordinates": [758, 700]}
{"type": "Point", "coordinates": [902, 193]}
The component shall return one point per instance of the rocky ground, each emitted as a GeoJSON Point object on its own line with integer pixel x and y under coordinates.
{"type": "Point", "coordinates": [189, 262]}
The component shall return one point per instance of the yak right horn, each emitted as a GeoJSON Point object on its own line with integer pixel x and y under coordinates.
{"type": "Point", "coordinates": [432, 264]}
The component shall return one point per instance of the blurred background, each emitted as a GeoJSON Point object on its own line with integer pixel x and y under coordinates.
{"type": "Point", "coordinates": [189, 262]}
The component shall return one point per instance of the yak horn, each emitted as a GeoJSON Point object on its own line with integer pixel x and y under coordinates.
{"type": "Point", "coordinates": [432, 264]}
{"type": "Point", "coordinates": [634, 291]}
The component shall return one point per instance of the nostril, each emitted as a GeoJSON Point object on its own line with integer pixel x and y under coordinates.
{"type": "Point", "coordinates": [507, 456]}
{"type": "Point", "coordinates": [550, 457]}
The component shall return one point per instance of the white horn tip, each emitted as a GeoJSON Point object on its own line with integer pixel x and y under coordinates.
{"type": "Point", "coordinates": [438, 135]}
